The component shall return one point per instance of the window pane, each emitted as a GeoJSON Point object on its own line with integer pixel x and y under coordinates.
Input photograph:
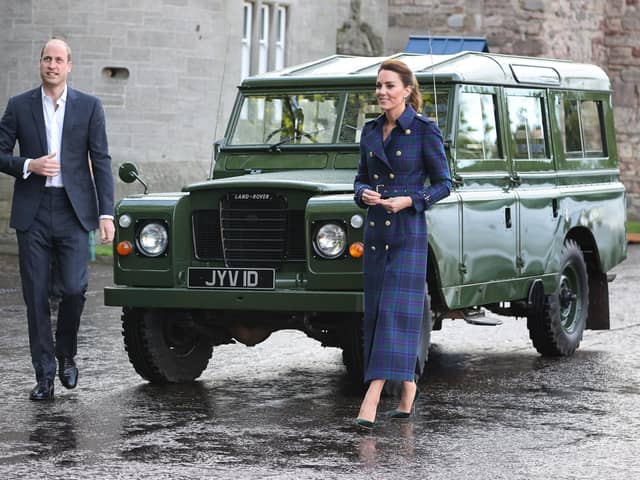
{"type": "Point", "coordinates": [429, 109]}
{"type": "Point", "coordinates": [263, 42]}
{"type": "Point", "coordinates": [280, 38]}
{"type": "Point", "coordinates": [245, 52]}
{"type": "Point", "coordinates": [360, 108]}
{"type": "Point", "coordinates": [570, 125]}
{"type": "Point", "coordinates": [527, 127]}
{"type": "Point", "coordinates": [592, 128]}
{"type": "Point", "coordinates": [477, 133]}
{"type": "Point", "coordinates": [295, 119]}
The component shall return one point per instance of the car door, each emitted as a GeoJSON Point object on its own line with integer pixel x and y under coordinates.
{"type": "Point", "coordinates": [534, 178]}
{"type": "Point", "coordinates": [489, 216]}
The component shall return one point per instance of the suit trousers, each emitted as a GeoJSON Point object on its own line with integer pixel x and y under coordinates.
{"type": "Point", "coordinates": [55, 233]}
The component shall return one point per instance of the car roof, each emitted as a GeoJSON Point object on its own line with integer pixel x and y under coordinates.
{"type": "Point", "coordinates": [464, 67]}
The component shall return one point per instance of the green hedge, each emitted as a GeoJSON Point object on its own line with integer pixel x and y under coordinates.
{"type": "Point", "coordinates": [633, 227]}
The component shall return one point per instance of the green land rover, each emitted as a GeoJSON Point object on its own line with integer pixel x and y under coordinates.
{"type": "Point", "coordinates": [273, 239]}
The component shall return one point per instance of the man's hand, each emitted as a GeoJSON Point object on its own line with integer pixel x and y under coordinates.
{"type": "Point", "coordinates": [46, 165]}
{"type": "Point", "coordinates": [107, 230]}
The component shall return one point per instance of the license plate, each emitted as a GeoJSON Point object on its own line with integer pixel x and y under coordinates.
{"type": "Point", "coordinates": [232, 278]}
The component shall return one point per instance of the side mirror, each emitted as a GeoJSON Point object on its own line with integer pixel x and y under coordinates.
{"type": "Point", "coordinates": [128, 173]}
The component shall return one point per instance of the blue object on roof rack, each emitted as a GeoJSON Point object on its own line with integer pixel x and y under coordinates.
{"type": "Point", "coordinates": [446, 45]}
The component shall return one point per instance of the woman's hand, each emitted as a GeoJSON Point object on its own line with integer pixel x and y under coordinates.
{"type": "Point", "coordinates": [395, 204]}
{"type": "Point", "coordinates": [370, 197]}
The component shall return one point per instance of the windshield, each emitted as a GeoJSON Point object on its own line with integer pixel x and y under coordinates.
{"type": "Point", "coordinates": [302, 118]}
{"type": "Point", "coordinates": [316, 118]}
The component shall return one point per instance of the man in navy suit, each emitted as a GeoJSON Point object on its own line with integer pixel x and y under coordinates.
{"type": "Point", "coordinates": [63, 190]}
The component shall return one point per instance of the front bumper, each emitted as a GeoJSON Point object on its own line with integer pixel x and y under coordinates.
{"type": "Point", "coordinates": [245, 300]}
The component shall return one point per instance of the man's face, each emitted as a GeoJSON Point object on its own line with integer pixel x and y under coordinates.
{"type": "Point", "coordinates": [54, 65]}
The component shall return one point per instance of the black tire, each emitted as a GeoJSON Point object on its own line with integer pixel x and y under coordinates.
{"type": "Point", "coordinates": [161, 346]}
{"type": "Point", "coordinates": [556, 329]}
{"type": "Point", "coordinates": [353, 351]}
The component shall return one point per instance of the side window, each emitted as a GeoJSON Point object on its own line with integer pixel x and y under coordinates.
{"type": "Point", "coordinates": [570, 119]}
{"type": "Point", "coordinates": [438, 113]}
{"type": "Point", "coordinates": [591, 116]}
{"type": "Point", "coordinates": [526, 127]}
{"type": "Point", "coordinates": [360, 108]}
{"type": "Point", "coordinates": [477, 136]}
{"type": "Point", "coordinates": [581, 126]}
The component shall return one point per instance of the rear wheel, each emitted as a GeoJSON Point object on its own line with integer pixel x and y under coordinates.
{"type": "Point", "coordinates": [556, 328]}
{"type": "Point", "coordinates": [163, 347]}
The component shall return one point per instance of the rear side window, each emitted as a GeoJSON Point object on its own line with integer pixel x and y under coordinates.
{"type": "Point", "coordinates": [477, 136]}
{"type": "Point", "coordinates": [526, 127]}
{"type": "Point", "coordinates": [581, 126]}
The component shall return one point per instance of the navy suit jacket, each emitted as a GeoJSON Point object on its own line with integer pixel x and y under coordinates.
{"type": "Point", "coordinates": [85, 160]}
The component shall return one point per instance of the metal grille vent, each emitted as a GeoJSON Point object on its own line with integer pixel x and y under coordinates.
{"type": "Point", "coordinates": [258, 231]}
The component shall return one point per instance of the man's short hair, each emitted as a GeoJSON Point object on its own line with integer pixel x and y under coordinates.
{"type": "Point", "coordinates": [66, 45]}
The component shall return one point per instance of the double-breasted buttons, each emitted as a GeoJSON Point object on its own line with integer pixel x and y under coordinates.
{"type": "Point", "coordinates": [387, 223]}
{"type": "Point", "coordinates": [376, 176]}
{"type": "Point", "coordinates": [372, 224]}
{"type": "Point", "coordinates": [391, 176]}
{"type": "Point", "coordinates": [407, 131]}
{"type": "Point", "coordinates": [398, 153]}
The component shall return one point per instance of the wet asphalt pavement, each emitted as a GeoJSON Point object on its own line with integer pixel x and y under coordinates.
{"type": "Point", "coordinates": [491, 407]}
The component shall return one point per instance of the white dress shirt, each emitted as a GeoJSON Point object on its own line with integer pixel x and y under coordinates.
{"type": "Point", "coordinates": [53, 124]}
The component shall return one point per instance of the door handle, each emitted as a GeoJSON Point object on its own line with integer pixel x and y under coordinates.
{"type": "Point", "coordinates": [515, 179]}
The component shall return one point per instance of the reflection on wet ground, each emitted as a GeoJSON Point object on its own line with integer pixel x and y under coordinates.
{"type": "Point", "coordinates": [490, 407]}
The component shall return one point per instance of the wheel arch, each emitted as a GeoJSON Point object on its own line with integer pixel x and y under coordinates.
{"type": "Point", "coordinates": [598, 317]}
{"type": "Point", "coordinates": [434, 282]}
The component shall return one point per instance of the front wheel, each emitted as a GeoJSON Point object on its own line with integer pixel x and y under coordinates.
{"type": "Point", "coordinates": [163, 346]}
{"type": "Point", "coordinates": [556, 328]}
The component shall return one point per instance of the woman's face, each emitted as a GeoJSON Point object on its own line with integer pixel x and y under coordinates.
{"type": "Point", "coordinates": [391, 92]}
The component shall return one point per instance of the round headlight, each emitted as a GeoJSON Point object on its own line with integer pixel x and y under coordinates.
{"type": "Point", "coordinates": [330, 240]}
{"type": "Point", "coordinates": [124, 221]}
{"type": "Point", "coordinates": [153, 239]}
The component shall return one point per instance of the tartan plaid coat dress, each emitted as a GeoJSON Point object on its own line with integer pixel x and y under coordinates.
{"type": "Point", "coordinates": [395, 258]}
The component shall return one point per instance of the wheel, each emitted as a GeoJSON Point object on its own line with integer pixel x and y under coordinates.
{"type": "Point", "coordinates": [556, 328]}
{"type": "Point", "coordinates": [353, 352]}
{"type": "Point", "coordinates": [162, 347]}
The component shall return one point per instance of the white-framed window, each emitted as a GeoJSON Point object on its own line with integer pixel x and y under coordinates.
{"type": "Point", "coordinates": [264, 36]}
{"type": "Point", "coordinates": [281, 37]}
{"type": "Point", "coordinates": [247, 21]}
{"type": "Point", "coordinates": [263, 40]}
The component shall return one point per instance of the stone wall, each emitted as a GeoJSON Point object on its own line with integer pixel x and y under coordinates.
{"type": "Point", "coordinates": [602, 32]}
{"type": "Point", "coordinates": [166, 71]}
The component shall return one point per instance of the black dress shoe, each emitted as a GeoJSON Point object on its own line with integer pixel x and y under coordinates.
{"type": "Point", "coordinates": [68, 372]}
{"type": "Point", "coordinates": [42, 391]}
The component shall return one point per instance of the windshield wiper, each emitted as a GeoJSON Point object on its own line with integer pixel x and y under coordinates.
{"type": "Point", "coordinates": [286, 140]}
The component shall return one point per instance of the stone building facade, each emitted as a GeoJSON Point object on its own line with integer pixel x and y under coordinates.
{"type": "Point", "coordinates": [602, 32]}
{"type": "Point", "coordinates": [166, 70]}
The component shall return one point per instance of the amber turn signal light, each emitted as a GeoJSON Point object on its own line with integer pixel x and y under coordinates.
{"type": "Point", "coordinates": [356, 249]}
{"type": "Point", "coordinates": [124, 249]}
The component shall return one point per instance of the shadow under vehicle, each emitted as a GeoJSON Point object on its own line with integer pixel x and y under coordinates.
{"type": "Point", "coordinates": [273, 239]}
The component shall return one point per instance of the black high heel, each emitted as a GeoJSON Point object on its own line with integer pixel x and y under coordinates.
{"type": "Point", "coordinates": [364, 424]}
{"type": "Point", "coordinates": [398, 415]}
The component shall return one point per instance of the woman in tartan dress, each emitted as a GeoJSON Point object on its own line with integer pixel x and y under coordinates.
{"type": "Point", "coordinates": [398, 150]}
